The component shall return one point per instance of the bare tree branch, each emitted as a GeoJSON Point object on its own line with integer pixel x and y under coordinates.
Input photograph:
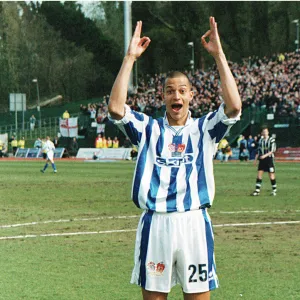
{"type": "Point", "coordinates": [161, 19]}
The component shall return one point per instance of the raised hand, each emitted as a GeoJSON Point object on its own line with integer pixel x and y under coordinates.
{"type": "Point", "coordinates": [213, 46]}
{"type": "Point", "coordinates": [137, 44]}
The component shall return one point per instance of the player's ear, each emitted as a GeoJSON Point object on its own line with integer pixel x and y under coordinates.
{"type": "Point", "coordinates": [191, 94]}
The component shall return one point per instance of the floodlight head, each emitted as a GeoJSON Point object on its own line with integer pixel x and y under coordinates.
{"type": "Point", "coordinates": [191, 44]}
{"type": "Point", "coordinates": [296, 21]}
{"type": "Point", "coordinates": [34, 80]}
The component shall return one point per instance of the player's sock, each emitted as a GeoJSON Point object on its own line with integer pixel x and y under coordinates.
{"type": "Point", "coordinates": [45, 167]}
{"type": "Point", "coordinates": [258, 185]}
{"type": "Point", "coordinates": [54, 167]}
{"type": "Point", "coordinates": [274, 186]}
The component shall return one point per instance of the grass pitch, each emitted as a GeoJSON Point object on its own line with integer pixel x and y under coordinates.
{"type": "Point", "coordinates": [71, 235]}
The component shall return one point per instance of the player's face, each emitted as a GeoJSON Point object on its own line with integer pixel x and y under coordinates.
{"type": "Point", "coordinates": [265, 133]}
{"type": "Point", "coordinates": [177, 95]}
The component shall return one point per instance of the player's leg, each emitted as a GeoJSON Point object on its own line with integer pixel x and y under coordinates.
{"type": "Point", "coordinates": [154, 256]}
{"type": "Point", "coordinates": [273, 183]}
{"type": "Point", "coordinates": [258, 183]}
{"type": "Point", "coordinates": [54, 166]}
{"type": "Point", "coordinates": [197, 296]}
{"type": "Point", "coordinates": [149, 295]}
{"type": "Point", "coordinates": [195, 263]}
{"type": "Point", "coordinates": [50, 157]}
{"type": "Point", "coordinates": [45, 166]}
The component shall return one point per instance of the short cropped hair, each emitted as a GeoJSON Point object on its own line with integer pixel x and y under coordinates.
{"type": "Point", "coordinates": [263, 128]}
{"type": "Point", "coordinates": [176, 74]}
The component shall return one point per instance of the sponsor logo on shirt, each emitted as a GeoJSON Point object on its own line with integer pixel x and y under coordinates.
{"type": "Point", "coordinates": [175, 161]}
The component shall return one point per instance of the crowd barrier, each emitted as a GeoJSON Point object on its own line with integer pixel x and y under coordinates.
{"type": "Point", "coordinates": [37, 153]}
{"type": "Point", "coordinates": [234, 156]}
{"type": "Point", "coordinates": [104, 153]}
{"type": "Point", "coordinates": [287, 153]}
{"type": "Point", "coordinates": [86, 153]}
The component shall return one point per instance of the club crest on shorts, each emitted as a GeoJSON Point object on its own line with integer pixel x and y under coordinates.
{"type": "Point", "coordinates": [155, 269]}
{"type": "Point", "coordinates": [176, 149]}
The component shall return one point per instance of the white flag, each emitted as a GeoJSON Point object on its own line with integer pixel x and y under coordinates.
{"type": "Point", "coordinates": [68, 127]}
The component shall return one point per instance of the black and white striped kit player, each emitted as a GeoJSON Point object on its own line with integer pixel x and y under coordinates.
{"type": "Point", "coordinates": [265, 155]}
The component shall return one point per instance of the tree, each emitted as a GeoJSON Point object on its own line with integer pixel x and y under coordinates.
{"type": "Point", "coordinates": [32, 49]}
{"type": "Point", "coordinates": [67, 19]}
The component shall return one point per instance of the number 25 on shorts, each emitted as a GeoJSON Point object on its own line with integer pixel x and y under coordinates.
{"type": "Point", "coordinates": [199, 273]}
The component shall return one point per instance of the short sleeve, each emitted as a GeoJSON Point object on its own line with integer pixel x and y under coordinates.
{"type": "Point", "coordinates": [132, 124]}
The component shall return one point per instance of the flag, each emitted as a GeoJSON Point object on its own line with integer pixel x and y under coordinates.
{"type": "Point", "coordinates": [68, 127]}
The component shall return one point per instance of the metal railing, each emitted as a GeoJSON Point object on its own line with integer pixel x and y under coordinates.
{"type": "Point", "coordinates": [250, 115]}
{"type": "Point", "coordinates": [49, 127]}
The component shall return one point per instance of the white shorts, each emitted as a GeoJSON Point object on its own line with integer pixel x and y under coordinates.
{"type": "Point", "coordinates": [175, 248]}
{"type": "Point", "coordinates": [50, 155]}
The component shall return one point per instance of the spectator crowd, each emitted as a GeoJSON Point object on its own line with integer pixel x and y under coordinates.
{"type": "Point", "coordinates": [270, 83]}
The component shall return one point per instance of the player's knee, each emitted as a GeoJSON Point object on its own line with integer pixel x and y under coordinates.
{"type": "Point", "coordinates": [197, 296]}
{"type": "Point", "coordinates": [150, 295]}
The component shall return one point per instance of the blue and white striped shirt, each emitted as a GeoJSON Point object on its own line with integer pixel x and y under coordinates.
{"type": "Point", "coordinates": [174, 169]}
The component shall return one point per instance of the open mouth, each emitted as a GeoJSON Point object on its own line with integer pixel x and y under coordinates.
{"type": "Point", "coordinates": [176, 107]}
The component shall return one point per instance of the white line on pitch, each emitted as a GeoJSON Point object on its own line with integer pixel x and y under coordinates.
{"type": "Point", "coordinates": [131, 230]}
{"type": "Point", "coordinates": [67, 220]}
{"type": "Point", "coordinates": [253, 211]}
{"type": "Point", "coordinates": [131, 217]}
{"type": "Point", "coordinates": [62, 234]}
{"type": "Point", "coordinates": [259, 223]}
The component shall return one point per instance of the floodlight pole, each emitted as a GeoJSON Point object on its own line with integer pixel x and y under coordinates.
{"type": "Point", "coordinates": [38, 100]}
{"type": "Point", "coordinates": [128, 34]}
{"type": "Point", "coordinates": [297, 34]}
{"type": "Point", "coordinates": [192, 61]}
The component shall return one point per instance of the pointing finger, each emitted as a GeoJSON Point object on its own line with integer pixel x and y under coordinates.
{"type": "Point", "coordinates": [211, 22]}
{"type": "Point", "coordinates": [138, 29]}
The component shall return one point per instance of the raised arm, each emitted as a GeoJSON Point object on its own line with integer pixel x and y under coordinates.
{"type": "Point", "coordinates": [229, 88]}
{"type": "Point", "coordinates": [118, 94]}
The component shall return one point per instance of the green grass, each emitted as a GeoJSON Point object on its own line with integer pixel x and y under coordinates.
{"type": "Point", "coordinates": [259, 262]}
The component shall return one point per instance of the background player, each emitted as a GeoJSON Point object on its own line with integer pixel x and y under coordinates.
{"type": "Point", "coordinates": [265, 155]}
{"type": "Point", "coordinates": [48, 148]}
{"type": "Point", "coordinates": [173, 181]}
